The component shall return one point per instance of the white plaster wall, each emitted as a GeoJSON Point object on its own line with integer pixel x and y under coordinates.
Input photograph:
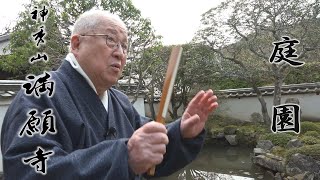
{"type": "Point", "coordinates": [3, 110]}
{"type": "Point", "coordinates": [4, 104]}
{"type": "Point", "coordinates": [139, 105]}
{"type": "Point", "coordinates": [243, 108]}
{"type": "Point", "coordinates": [3, 45]}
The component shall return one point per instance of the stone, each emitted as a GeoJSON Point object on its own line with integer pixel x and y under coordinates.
{"type": "Point", "coordinates": [231, 139]}
{"type": "Point", "coordinates": [260, 177]}
{"type": "Point", "coordinates": [272, 156]}
{"type": "Point", "coordinates": [265, 145]}
{"type": "Point", "coordinates": [258, 151]}
{"type": "Point", "coordinates": [277, 176]}
{"type": "Point", "coordinates": [294, 143]}
{"type": "Point", "coordinates": [292, 100]}
{"type": "Point", "coordinates": [311, 176]}
{"type": "Point", "coordinates": [299, 177]}
{"type": "Point", "coordinates": [268, 175]}
{"type": "Point", "coordinates": [220, 135]}
{"type": "Point", "coordinates": [300, 164]}
{"type": "Point", "coordinates": [256, 117]}
{"type": "Point", "coordinates": [269, 163]}
{"type": "Point", "coordinates": [305, 176]}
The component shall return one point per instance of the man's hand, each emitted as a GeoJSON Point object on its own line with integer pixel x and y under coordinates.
{"type": "Point", "coordinates": [196, 114]}
{"type": "Point", "coordinates": [147, 146]}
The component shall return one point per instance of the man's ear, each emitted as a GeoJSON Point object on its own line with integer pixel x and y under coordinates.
{"type": "Point", "coordinates": [75, 43]}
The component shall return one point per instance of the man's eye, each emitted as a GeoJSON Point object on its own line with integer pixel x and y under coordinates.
{"type": "Point", "coordinates": [111, 39]}
{"type": "Point", "coordinates": [124, 46]}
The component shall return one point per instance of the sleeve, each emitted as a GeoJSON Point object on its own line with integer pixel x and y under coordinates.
{"type": "Point", "coordinates": [105, 160]}
{"type": "Point", "coordinates": [180, 152]}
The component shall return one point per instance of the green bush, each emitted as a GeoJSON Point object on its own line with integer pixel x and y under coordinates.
{"type": "Point", "coordinates": [279, 151]}
{"type": "Point", "coordinates": [215, 131]}
{"type": "Point", "coordinates": [308, 150]}
{"type": "Point", "coordinates": [309, 126]}
{"type": "Point", "coordinates": [247, 138]}
{"type": "Point", "coordinates": [312, 134]}
{"type": "Point", "coordinates": [230, 130]}
{"type": "Point", "coordinates": [215, 121]}
{"type": "Point", "coordinates": [309, 140]}
{"type": "Point", "coordinates": [219, 120]}
{"type": "Point", "coordinates": [278, 139]}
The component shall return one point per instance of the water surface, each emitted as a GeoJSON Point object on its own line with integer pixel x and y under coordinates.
{"type": "Point", "coordinates": [220, 162]}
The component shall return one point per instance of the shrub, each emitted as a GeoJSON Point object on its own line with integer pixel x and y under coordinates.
{"type": "Point", "coordinates": [230, 130]}
{"type": "Point", "coordinates": [309, 140]}
{"type": "Point", "coordinates": [215, 131]}
{"type": "Point", "coordinates": [247, 138]}
{"type": "Point", "coordinates": [309, 126]}
{"type": "Point", "coordinates": [308, 150]}
{"type": "Point", "coordinates": [215, 121]}
{"type": "Point", "coordinates": [279, 139]}
{"type": "Point", "coordinates": [279, 151]}
{"type": "Point", "coordinates": [218, 120]}
{"type": "Point", "coordinates": [312, 134]}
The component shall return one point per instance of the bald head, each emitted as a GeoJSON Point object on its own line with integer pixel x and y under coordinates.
{"type": "Point", "coordinates": [93, 19]}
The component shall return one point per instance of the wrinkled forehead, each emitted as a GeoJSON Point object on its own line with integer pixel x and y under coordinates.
{"type": "Point", "coordinates": [115, 27]}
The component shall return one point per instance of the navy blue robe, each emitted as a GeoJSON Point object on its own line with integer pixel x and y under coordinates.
{"type": "Point", "coordinates": [82, 147]}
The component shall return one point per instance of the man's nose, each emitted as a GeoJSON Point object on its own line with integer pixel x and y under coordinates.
{"type": "Point", "coordinates": [118, 51]}
{"type": "Point", "coordinates": [118, 47]}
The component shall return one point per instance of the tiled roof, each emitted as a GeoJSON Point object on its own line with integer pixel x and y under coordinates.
{"type": "Point", "coordinates": [9, 88]}
{"type": "Point", "coordinates": [4, 37]}
{"type": "Point", "coordinates": [269, 90]}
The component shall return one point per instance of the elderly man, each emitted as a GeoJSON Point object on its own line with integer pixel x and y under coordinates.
{"type": "Point", "coordinates": [99, 134]}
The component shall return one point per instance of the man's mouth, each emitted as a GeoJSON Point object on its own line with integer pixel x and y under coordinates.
{"type": "Point", "coordinates": [116, 66]}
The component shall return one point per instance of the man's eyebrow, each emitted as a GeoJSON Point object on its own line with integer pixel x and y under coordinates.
{"type": "Point", "coordinates": [112, 31]}
{"type": "Point", "coordinates": [116, 33]}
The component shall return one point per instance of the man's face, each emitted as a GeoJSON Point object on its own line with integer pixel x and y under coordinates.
{"type": "Point", "coordinates": [100, 61]}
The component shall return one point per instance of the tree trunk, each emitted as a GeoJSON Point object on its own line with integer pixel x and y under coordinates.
{"type": "Point", "coordinates": [278, 80]}
{"type": "Point", "coordinates": [264, 110]}
{"type": "Point", "coordinates": [277, 88]}
{"type": "Point", "coordinates": [150, 100]}
{"type": "Point", "coordinates": [174, 112]}
{"type": "Point", "coordinates": [153, 112]}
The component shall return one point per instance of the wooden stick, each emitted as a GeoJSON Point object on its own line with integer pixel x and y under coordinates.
{"type": "Point", "coordinates": [167, 89]}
